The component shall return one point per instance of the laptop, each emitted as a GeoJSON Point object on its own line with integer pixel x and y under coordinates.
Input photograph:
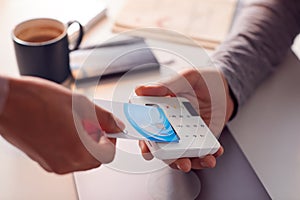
{"type": "Point", "coordinates": [232, 178]}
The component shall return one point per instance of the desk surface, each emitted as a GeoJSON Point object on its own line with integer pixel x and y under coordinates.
{"type": "Point", "coordinates": [22, 178]}
{"type": "Point", "coordinates": [267, 129]}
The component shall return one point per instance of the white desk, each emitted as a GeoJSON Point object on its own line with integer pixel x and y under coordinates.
{"type": "Point", "coordinates": [23, 179]}
{"type": "Point", "coordinates": [268, 131]}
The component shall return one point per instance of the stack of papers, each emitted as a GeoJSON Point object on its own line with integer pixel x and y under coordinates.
{"type": "Point", "coordinates": [205, 21]}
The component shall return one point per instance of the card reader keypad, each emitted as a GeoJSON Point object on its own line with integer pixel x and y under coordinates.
{"type": "Point", "coordinates": [185, 124]}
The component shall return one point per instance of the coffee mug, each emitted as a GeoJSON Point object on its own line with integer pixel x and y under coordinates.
{"type": "Point", "coordinates": [42, 48]}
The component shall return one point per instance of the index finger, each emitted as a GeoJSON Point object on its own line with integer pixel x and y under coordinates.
{"type": "Point", "coordinates": [153, 90]}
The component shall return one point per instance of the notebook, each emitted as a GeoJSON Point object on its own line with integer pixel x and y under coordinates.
{"type": "Point", "coordinates": [205, 21]}
{"type": "Point", "coordinates": [119, 55]}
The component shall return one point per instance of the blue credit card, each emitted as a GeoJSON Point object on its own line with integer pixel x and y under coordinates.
{"type": "Point", "coordinates": [141, 122]}
{"type": "Point", "coordinates": [151, 122]}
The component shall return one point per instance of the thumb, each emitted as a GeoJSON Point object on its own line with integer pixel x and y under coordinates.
{"type": "Point", "coordinates": [108, 122]}
{"type": "Point", "coordinates": [153, 90]}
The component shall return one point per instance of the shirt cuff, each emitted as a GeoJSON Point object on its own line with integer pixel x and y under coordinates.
{"type": "Point", "coordinates": [235, 103]}
{"type": "Point", "coordinates": [233, 86]}
{"type": "Point", "coordinates": [4, 88]}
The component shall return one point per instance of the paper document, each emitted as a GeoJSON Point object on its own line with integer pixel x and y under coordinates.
{"type": "Point", "coordinates": [206, 21]}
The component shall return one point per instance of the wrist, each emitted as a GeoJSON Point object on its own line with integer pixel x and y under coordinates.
{"type": "Point", "coordinates": [230, 107]}
{"type": "Point", "coordinates": [234, 103]}
{"type": "Point", "coordinates": [4, 90]}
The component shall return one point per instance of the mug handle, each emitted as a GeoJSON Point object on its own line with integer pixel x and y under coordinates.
{"type": "Point", "coordinates": [80, 36]}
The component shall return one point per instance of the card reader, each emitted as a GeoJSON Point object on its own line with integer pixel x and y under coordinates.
{"type": "Point", "coordinates": [195, 138]}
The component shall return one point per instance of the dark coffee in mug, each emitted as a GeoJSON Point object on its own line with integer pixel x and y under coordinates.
{"type": "Point", "coordinates": [40, 33]}
{"type": "Point", "coordinates": [42, 48]}
{"type": "Point", "coordinates": [40, 38]}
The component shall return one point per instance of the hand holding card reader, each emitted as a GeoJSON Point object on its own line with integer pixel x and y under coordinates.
{"type": "Point", "coordinates": [170, 126]}
{"type": "Point", "coordinates": [195, 138]}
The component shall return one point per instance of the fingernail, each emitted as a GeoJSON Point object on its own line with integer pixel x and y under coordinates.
{"type": "Point", "coordinates": [104, 140]}
{"type": "Point", "coordinates": [183, 167]}
{"type": "Point", "coordinates": [120, 124]}
{"type": "Point", "coordinates": [147, 156]}
{"type": "Point", "coordinates": [204, 164]}
{"type": "Point", "coordinates": [95, 136]}
{"type": "Point", "coordinates": [179, 167]}
{"type": "Point", "coordinates": [149, 85]}
{"type": "Point", "coordinates": [89, 126]}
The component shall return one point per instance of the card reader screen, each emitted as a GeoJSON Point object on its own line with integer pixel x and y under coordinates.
{"type": "Point", "coordinates": [190, 108]}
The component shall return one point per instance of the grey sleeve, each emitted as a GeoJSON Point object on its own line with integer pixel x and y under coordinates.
{"type": "Point", "coordinates": [258, 42]}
